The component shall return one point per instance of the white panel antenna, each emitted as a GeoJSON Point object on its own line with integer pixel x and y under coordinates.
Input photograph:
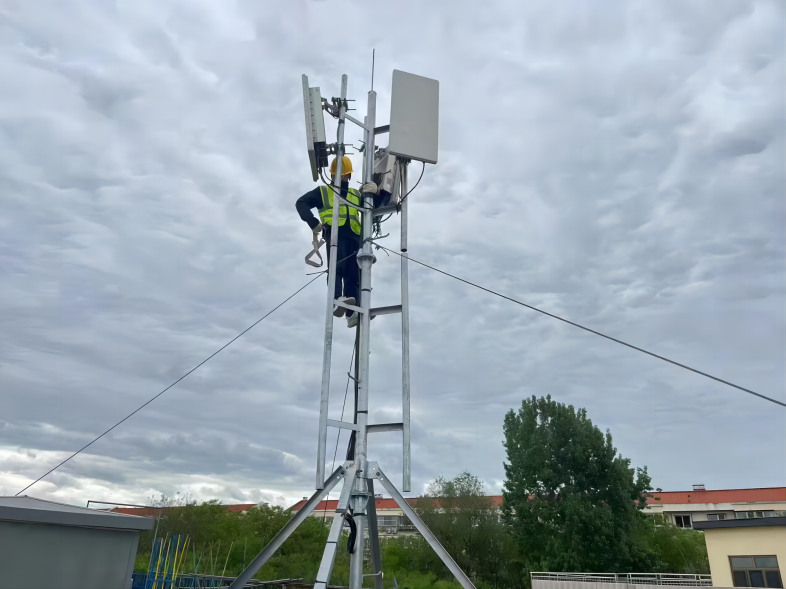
{"type": "Point", "coordinates": [315, 129]}
{"type": "Point", "coordinates": [414, 117]}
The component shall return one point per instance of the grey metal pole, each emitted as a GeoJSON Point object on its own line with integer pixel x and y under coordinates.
{"type": "Point", "coordinates": [407, 474]}
{"type": "Point", "coordinates": [365, 260]}
{"type": "Point", "coordinates": [328, 350]}
{"type": "Point", "coordinates": [373, 536]}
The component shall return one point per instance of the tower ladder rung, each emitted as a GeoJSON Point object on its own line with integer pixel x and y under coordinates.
{"type": "Point", "coordinates": [384, 427]}
{"type": "Point", "coordinates": [385, 310]}
{"type": "Point", "coordinates": [350, 307]}
{"type": "Point", "coordinates": [343, 424]}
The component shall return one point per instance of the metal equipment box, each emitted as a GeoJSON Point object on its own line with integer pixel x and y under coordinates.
{"type": "Point", "coordinates": [48, 544]}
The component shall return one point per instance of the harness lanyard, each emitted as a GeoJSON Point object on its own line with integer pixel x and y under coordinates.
{"type": "Point", "coordinates": [317, 243]}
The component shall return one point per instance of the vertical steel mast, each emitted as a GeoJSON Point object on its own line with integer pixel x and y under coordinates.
{"type": "Point", "coordinates": [366, 258]}
{"type": "Point", "coordinates": [407, 476]}
{"type": "Point", "coordinates": [333, 258]}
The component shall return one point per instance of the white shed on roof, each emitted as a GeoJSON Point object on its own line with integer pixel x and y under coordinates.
{"type": "Point", "coordinates": [48, 544]}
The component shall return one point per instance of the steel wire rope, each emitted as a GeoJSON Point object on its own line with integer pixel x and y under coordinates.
{"type": "Point", "coordinates": [337, 263]}
{"type": "Point", "coordinates": [726, 382]}
{"type": "Point", "coordinates": [281, 304]}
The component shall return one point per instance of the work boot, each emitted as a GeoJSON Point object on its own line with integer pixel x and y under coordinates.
{"type": "Point", "coordinates": [339, 312]}
{"type": "Point", "coordinates": [352, 320]}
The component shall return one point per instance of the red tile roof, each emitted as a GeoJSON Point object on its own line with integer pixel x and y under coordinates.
{"type": "Point", "coordinates": [332, 504]}
{"type": "Point", "coordinates": [145, 511]}
{"type": "Point", "coordinates": [241, 506]}
{"type": "Point", "coordinates": [152, 511]}
{"type": "Point", "coordinates": [719, 496]}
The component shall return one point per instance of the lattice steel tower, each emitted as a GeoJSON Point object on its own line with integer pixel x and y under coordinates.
{"type": "Point", "coordinates": [413, 130]}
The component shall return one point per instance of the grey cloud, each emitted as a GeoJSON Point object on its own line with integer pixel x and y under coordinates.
{"type": "Point", "coordinates": [620, 164]}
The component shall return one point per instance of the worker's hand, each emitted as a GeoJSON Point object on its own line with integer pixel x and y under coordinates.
{"type": "Point", "coordinates": [317, 229]}
{"type": "Point", "coordinates": [370, 187]}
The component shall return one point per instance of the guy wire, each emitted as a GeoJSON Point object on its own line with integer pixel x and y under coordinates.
{"type": "Point", "coordinates": [584, 328]}
{"type": "Point", "coordinates": [281, 304]}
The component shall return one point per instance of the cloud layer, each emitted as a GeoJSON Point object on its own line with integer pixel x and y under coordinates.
{"type": "Point", "coordinates": [620, 164]}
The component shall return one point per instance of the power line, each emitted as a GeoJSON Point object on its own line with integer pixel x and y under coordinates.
{"type": "Point", "coordinates": [174, 383]}
{"type": "Point", "coordinates": [582, 327]}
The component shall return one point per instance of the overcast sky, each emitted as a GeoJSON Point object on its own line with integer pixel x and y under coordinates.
{"type": "Point", "coordinates": [620, 164]}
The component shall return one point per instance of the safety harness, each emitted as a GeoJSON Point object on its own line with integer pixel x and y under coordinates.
{"type": "Point", "coordinates": [326, 217]}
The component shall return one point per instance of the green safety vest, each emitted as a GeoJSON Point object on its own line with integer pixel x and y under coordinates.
{"type": "Point", "coordinates": [326, 212]}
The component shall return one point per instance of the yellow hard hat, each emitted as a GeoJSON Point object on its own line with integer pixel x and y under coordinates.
{"type": "Point", "coordinates": [346, 166]}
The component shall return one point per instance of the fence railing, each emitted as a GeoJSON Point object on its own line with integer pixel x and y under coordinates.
{"type": "Point", "coordinates": [189, 581]}
{"type": "Point", "coordinates": [629, 578]}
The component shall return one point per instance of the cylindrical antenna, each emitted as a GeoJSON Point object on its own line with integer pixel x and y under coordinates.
{"type": "Point", "coordinates": [373, 51]}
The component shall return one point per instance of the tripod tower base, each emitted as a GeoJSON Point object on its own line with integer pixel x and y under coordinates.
{"type": "Point", "coordinates": [348, 471]}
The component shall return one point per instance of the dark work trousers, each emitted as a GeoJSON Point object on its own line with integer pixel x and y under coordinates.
{"type": "Point", "coordinates": [347, 272]}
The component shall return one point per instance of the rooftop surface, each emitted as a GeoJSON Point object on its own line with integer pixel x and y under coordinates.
{"type": "Point", "coordinates": [27, 509]}
{"type": "Point", "coordinates": [154, 511]}
{"type": "Point", "coordinates": [758, 522]}
{"type": "Point", "coordinates": [760, 495]}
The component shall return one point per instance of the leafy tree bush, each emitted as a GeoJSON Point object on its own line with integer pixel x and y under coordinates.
{"type": "Point", "coordinates": [221, 538]}
{"type": "Point", "coordinates": [678, 550]}
{"type": "Point", "coordinates": [569, 500]}
{"type": "Point", "coordinates": [468, 526]}
{"type": "Point", "coordinates": [570, 503]}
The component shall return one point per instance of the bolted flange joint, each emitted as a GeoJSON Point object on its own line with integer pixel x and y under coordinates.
{"type": "Point", "coordinates": [361, 256]}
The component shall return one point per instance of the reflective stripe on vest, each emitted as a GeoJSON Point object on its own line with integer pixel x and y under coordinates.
{"type": "Point", "coordinates": [326, 212]}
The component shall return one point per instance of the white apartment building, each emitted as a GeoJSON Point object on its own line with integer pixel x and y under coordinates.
{"type": "Point", "coordinates": [682, 508]}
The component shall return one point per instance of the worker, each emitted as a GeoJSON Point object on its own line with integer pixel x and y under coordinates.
{"type": "Point", "coordinates": [321, 198]}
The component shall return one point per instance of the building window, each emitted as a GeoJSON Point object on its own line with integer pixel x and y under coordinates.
{"type": "Point", "coordinates": [755, 571]}
{"type": "Point", "coordinates": [753, 514]}
{"type": "Point", "coordinates": [387, 521]}
{"type": "Point", "coordinates": [714, 517]}
{"type": "Point", "coordinates": [682, 521]}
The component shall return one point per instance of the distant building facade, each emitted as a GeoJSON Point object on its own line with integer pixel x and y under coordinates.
{"type": "Point", "coordinates": [391, 520]}
{"type": "Point", "coordinates": [681, 508]}
{"type": "Point", "coordinates": [684, 508]}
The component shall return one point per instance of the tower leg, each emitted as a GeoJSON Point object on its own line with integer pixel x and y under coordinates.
{"type": "Point", "coordinates": [357, 557]}
{"type": "Point", "coordinates": [293, 523]}
{"type": "Point", "coordinates": [373, 536]}
{"type": "Point", "coordinates": [332, 257]}
{"type": "Point", "coordinates": [375, 471]}
{"type": "Point", "coordinates": [329, 556]}
{"type": "Point", "coordinates": [365, 259]}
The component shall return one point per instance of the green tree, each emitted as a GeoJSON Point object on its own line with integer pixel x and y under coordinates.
{"type": "Point", "coordinates": [679, 550]}
{"type": "Point", "coordinates": [569, 500]}
{"type": "Point", "coordinates": [468, 526]}
{"type": "Point", "coordinates": [220, 538]}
